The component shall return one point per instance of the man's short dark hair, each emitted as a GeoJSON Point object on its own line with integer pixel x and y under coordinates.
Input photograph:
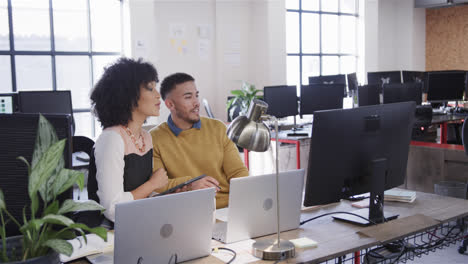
{"type": "Point", "coordinates": [170, 82]}
{"type": "Point", "coordinates": [116, 94]}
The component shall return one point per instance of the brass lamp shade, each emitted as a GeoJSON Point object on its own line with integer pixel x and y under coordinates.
{"type": "Point", "coordinates": [249, 131]}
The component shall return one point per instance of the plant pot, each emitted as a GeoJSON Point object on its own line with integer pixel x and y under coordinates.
{"type": "Point", "coordinates": [15, 243]}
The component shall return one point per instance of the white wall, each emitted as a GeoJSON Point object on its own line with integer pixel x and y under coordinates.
{"type": "Point", "coordinates": [395, 35]}
{"type": "Point", "coordinates": [241, 40]}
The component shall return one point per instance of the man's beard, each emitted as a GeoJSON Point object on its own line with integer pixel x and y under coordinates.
{"type": "Point", "coordinates": [186, 118]}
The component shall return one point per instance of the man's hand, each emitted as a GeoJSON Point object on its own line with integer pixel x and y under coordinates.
{"type": "Point", "coordinates": [205, 182]}
{"type": "Point", "coordinates": [159, 178]}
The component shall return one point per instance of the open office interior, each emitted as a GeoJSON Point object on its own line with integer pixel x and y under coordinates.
{"type": "Point", "coordinates": [225, 44]}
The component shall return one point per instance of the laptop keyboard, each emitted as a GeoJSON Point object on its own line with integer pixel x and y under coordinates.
{"type": "Point", "coordinates": [219, 231]}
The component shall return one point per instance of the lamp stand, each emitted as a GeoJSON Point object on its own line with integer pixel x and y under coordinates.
{"type": "Point", "coordinates": [274, 249]}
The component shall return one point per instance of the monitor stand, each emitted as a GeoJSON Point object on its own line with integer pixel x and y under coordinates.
{"type": "Point", "coordinates": [375, 212]}
{"type": "Point", "coordinates": [295, 133]}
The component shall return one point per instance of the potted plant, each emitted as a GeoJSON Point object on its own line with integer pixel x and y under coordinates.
{"type": "Point", "coordinates": [45, 234]}
{"type": "Point", "coordinates": [241, 100]}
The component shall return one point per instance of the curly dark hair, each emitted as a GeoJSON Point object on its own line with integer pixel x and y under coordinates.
{"type": "Point", "coordinates": [116, 94]}
{"type": "Point", "coordinates": [169, 83]}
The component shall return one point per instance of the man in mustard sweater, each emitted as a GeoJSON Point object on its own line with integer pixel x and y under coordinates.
{"type": "Point", "coordinates": [188, 145]}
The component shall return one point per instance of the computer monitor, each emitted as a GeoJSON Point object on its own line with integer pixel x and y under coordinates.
{"type": "Point", "coordinates": [281, 100]}
{"type": "Point", "coordinates": [315, 97]}
{"type": "Point", "coordinates": [415, 76]}
{"type": "Point", "coordinates": [17, 137]}
{"type": "Point", "coordinates": [359, 150]}
{"type": "Point", "coordinates": [352, 81]}
{"type": "Point", "coordinates": [402, 92]}
{"type": "Point", "coordinates": [445, 86]}
{"type": "Point", "coordinates": [383, 77]}
{"type": "Point", "coordinates": [368, 94]}
{"type": "Point", "coordinates": [8, 103]}
{"type": "Point", "coordinates": [329, 79]}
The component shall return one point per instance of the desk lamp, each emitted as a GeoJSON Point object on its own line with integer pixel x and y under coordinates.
{"type": "Point", "coordinates": [250, 132]}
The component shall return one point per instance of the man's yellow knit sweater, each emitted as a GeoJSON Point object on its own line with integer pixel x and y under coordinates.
{"type": "Point", "coordinates": [193, 152]}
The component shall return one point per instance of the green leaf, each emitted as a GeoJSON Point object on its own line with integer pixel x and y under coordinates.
{"type": "Point", "coordinates": [52, 208]}
{"type": "Point", "coordinates": [46, 137]}
{"type": "Point", "coordinates": [67, 235]}
{"type": "Point", "coordinates": [66, 178]}
{"type": "Point", "coordinates": [34, 204]}
{"type": "Point", "coordinates": [238, 92]}
{"type": "Point", "coordinates": [99, 231]}
{"type": "Point", "coordinates": [76, 206]}
{"type": "Point", "coordinates": [58, 220]}
{"type": "Point", "coordinates": [60, 246]}
{"type": "Point", "coordinates": [43, 169]}
{"type": "Point", "coordinates": [2, 201]}
{"type": "Point", "coordinates": [26, 162]}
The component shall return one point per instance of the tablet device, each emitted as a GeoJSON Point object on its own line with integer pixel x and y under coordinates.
{"type": "Point", "coordinates": [173, 189]}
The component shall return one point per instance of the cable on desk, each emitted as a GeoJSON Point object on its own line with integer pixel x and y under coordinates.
{"type": "Point", "coordinates": [228, 249]}
{"type": "Point", "coordinates": [170, 260]}
{"type": "Point", "coordinates": [313, 218]}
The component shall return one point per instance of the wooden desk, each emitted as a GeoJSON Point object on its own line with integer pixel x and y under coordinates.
{"type": "Point", "coordinates": [337, 238]}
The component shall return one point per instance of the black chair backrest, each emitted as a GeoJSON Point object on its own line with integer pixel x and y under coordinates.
{"type": "Point", "coordinates": [465, 135]}
{"type": "Point", "coordinates": [84, 144]}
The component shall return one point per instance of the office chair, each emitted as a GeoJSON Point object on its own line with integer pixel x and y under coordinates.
{"type": "Point", "coordinates": [207, 108]}
{"type": "Point", "coordinates": [82, 144]}
{"type": "Point", "coordinates": [464, 243]}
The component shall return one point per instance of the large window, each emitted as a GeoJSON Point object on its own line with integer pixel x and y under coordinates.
{"type": "Point", "coordinates": [59, 45]}
{"type": "Point", "coordinates": [321, 38]}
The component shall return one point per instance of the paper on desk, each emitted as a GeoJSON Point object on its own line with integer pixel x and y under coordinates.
{"type": "Point", "coordinates": [95, 245]}
{"type": "Point", "coordinates": [242, 248]}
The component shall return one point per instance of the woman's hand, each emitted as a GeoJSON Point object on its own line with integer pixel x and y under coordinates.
{"type": "Point", "coordinates": [159, 178]}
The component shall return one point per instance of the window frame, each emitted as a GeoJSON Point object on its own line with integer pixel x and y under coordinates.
{"type": "Point", "coordinates": [53, 53]}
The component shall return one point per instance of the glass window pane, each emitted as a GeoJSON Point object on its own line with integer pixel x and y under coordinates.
{"type": "Point", "coordinates": [33, 73]}
{"type": "Point", "coordinates": [348, 6]}
{"type": "Point", "coordinates": [311, 5]}
{"type": "Point", "coordinates": [310, 33]}
{"type": "Point", "coordinates": [292, 4]}
{"type": "Point", "coordinates": [348, 64]}
{"type": "Point", "coordinates": [99, 63]}
{"type": "Point", "coordinates": [330, 65]}
{"type": "Point", "coordinates": [73, 73]}
{"type": "Point", "coordinates": [330, 5]}
{"type": "Point", "coordinates": [292, 32]}
{"type": "Point", "coordinates": [348, 34]}
{"type": "Point", "coordinates": [31, 24]}
{"type": "Point", "coordinates": [105, 25]}
{"type": "Point", "coordinates": [84, 124]}
{"type": "Point", "coordinates": [329, 34]}
{"type": "Point", "coordinates": [5, 74]}
{"type": "Point", "coordinates": [4, 30]}
{"type": "Point", "coordinates": [71, 25]}
{"type": "Point", "coordinates": [310, 67]}
{"type": "Point", "coordinates": [292, 70]}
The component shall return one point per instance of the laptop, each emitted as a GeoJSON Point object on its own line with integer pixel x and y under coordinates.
{"type": "Point", "coordinates": [164, 229]}
{"type": "Point", "coordinates": [252, 206]}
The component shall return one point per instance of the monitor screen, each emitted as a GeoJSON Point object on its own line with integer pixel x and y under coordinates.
{"type": "Point", "coordinates": [402, 92]}
{"type": "Point", "coordinates": [281, 100]}
{"type": "Point", "coordinates": [48, 102]}
{"type": "Point", "coordinates": [368, 94]}
{"type": "Point", "coordinates": [352, 81]}
{"type": "Point", "coordinates": [383, 77]}
{"type": "Point", "coordinates": [18, 135]}
{"type": "Point", "coordinates": [347, 142]}
{"type": "Point", "coordinates": [445, 86]}
{"type": "Point", "coordinates": [315, 97]}
{"type": "Point", "coordinates": [413, 76]}
{"type": "Point", "coordinates": [329, 79]}
{"type": "Point", "coordinates": [8, 103]}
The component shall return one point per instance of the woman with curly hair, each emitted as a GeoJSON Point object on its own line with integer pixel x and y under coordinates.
{"type": "Point", "coordinates": [121, 168]}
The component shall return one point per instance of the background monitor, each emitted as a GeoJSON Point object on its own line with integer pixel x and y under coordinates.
{"type": "Point", "coordinates": [402, 92]}
{"type": "Point", "coordinates": [383, 77]}
{"type": "Point", "coordinates": [329, 79]}
{"type": "Point", "coordinates": [357, 139]}
{"type": "Point", "coordinates": [17, 137]}
{"type": "Point", "coordinates": [315, 97]}
{"type": "Point", "coordinates": [352, 81]}
{"type": "Point", "coordinates": [445, 86]}
{"type": "Point", "coordinates": [8, 103]}
{"type": "Point", "coordinates": [368, 94]}
{"type": "Point", "coordinates": [281, 100]}
{"type": "Point", "coordinates": [415, 76]}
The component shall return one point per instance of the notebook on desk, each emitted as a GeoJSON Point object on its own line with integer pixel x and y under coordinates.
{"type": "Point", "coordinates": [165, 228]}
{"type": "Point", "coordinates": [252, 206]}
